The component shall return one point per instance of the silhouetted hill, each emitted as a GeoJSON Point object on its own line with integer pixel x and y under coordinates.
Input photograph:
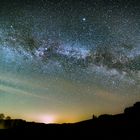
{"type": "Point", "coordinates": [125, 125]}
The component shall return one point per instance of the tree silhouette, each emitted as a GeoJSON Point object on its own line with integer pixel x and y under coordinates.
{"type": "Point", "coordinates": [8, 118]}
{"type": "Point", "coordinates": [94, 117]}
{"type": "Point", "coordinates": [2, 116]}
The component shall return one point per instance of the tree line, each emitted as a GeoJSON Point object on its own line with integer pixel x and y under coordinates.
{"type": "Point", "coordinates": [3, 117]}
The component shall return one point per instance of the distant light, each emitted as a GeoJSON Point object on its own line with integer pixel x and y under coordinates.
{"type": "Point", "coordinates": [47, 119]}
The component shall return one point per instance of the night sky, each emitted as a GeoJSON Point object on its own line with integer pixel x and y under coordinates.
{"type": "Point", "coordinates": [65, 60]}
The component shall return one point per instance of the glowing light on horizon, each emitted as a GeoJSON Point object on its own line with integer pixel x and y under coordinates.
{"type": "Point", "coordinates": [47, 119]}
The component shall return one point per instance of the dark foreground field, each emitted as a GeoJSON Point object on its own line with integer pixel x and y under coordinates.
{"type": "Point", "coordinates": [125, 125]}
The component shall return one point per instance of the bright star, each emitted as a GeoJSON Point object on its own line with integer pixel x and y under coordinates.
{"type": "Point", "coordinates": [84, 19]}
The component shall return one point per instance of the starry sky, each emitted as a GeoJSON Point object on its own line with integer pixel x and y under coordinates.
{"type": "Point", "coordinates": [65, 60]}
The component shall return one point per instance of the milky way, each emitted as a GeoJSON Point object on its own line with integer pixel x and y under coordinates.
{"type": "Point", "coordinates": [68, 59]}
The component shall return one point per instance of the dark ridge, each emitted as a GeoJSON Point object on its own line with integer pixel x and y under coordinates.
{"type": "Point", "coordinates": [124, 125]}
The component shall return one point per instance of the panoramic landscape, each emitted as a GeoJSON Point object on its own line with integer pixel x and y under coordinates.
{"type": "Point", "coordinates": [67, 61]}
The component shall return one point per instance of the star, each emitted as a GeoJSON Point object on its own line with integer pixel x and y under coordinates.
{"type": "Point", "coordinates": [84, 19]}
